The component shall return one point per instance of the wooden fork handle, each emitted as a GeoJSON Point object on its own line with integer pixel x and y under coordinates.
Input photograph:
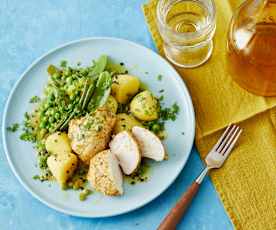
{"type": "Point", "coordinates": [176, 213]}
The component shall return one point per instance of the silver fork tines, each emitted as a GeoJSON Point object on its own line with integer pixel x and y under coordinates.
{"type": "Point", "coordinates": [232, 140]}
{"type": "Point", "coordinates": [223, 147]}
{"type": "Point", "coordinates": [227, 138]}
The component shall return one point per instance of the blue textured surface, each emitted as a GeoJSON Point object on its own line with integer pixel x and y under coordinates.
{"type": "Point", "coordinates": [30, 28]}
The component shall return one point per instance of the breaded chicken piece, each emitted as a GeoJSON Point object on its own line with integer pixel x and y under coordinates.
{"type": "Point", "coordinates": [91, 134]}
{"type": "Point", "coordinates": [105, 174]}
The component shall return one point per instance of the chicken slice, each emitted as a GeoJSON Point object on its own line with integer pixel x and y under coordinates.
{"type": "Point", "coordinates": [126, 149]}
{"type": "Point", "coordinates": [149, 144]}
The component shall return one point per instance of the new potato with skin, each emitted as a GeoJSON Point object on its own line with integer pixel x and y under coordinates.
{"type": "Point", "coordinates": [58, 143]}
{"type": "Point", "coordinates": [62, 166]}
{"type": "Point", "coordinates": [144, 106]}
{"type": "Point", "coordinates": [62, 162]}
{"type": "Point", "coordinates": [124, 87]}
{"type": "Point", "coordinates": [125, 122]}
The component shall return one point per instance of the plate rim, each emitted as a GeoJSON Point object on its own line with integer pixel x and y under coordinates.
{"type": "Point", "coordinates": [55, 49]}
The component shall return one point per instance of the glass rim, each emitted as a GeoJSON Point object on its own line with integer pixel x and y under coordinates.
{"type": "Point", "coordinates": [206, 29]}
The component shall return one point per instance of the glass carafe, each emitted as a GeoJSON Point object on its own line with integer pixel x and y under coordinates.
{"type": "Point", "coordinates": [251, 45]}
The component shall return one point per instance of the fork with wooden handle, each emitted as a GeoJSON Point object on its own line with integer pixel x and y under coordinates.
{"type": "Point", "coordinates": [214, 159]}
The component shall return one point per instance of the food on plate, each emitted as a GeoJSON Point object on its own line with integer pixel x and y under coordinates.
{"type": "Point", "coordinates": [62, 166]}
{"type": "Point", "coordinates": [125, 122]}
{"type": "Point", "coordinates": [105, 174]}
{"type": "Point", "coordinates": [149, 144]}
{"type": "Point", "coordinates": [124, 87]}
{"type": "Point", "coordinates": [111, 104]}
{"type": "Point", "coordinates": [58, 143]}
{"type": "Point", "coordinates": [127, 151]}
{"type": "Point", "coordinates": [95, 123]}
{"type": "Point", "coordinates": [145, 106]}
{"type": "Point", "coordinates": [91, 133]}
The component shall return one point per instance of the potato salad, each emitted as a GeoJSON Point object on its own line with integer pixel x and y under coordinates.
{"type": "Point", "coordinates": [94, 126]}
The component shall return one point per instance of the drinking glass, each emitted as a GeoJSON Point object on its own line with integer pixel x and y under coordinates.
{"type": "Point", "coordinates": [187, 28]}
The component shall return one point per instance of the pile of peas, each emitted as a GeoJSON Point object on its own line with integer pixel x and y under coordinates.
{"type": "Point", "coordinates": [63, 93]}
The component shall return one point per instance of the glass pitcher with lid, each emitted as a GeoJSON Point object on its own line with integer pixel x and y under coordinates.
{"type": "Point", "coordinates": [251, 46]}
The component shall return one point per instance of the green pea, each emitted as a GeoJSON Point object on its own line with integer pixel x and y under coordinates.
{"type": "Point", "coordinates": [52, 112]}
{"type": "Point", "coordinates": [156, 128]}
{"type": "Point", "coordinates": [44, 118]}
{"type": "Point", "coordinates": [57, 115]}
{"type": "Point", "coordinates": [61, 109]}
{"type": "Point", "coordinates": [70, 106]}
{"type": "Point", "coordinates": [51, 119]}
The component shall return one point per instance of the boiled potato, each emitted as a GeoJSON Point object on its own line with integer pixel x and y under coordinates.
{"type": "Point", "coordinates": [58, 143]}
{"type": "Point", "coordinates": [125, 123]}
{"type": "Point", "coordinates": [124, 86]}
{"type": "Point", "coordinates": [111, 104]}
{"type": "Point", "coordinates": [145, 106]}
{"type": "Point", "coordinates": [62, 166]}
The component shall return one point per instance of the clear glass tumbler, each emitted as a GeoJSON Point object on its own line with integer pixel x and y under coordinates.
{"type": "Point", "coordinates": [187, 28]}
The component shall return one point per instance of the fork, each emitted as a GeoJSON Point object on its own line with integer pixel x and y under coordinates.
{"type": "Point", "coordinates": [214, 160]}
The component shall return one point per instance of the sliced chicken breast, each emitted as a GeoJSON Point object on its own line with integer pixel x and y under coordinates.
{"type": "Point", "coordinates": [126, 149]}
{"type": "Point", "coordinates": [91, 134]}
{"type": "Point", "coordinates": [105, 174]}
{"type": "Point", "coordinates": [149, 144]}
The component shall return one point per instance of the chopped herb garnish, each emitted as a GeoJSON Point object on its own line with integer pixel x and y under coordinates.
{"type": "Point", "coordinates": [34, 99]}
{"type": "Point", "coordinates": [169, 113]}
{"type": "Point", "coordinates": [27, 136]}
{"type": "Point", "coordinates": [159, 77]}
{"type": "Point", "coordinates": [43, 161]}
{"type": "Point", "coordinates": [13, 128]}
{"type": "Point", "coordinates": [63, 63]}
{"type": "Point", "coordinates": [84, 194]}
{"type": "Point", "coordinates": [161, 91]}
{"type": "Point", "coordinates": [36, 177]}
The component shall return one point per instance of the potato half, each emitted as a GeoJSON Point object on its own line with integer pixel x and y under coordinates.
{"type": "Point", "coordinates": [124, 86]}
{"type": "Point", "coordinates": [58, 143]}
{"type": "Point", "coordinates": [62, 166]}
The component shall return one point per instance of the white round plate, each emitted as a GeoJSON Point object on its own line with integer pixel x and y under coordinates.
{"type": "Point", "coordinates": [141, 62]}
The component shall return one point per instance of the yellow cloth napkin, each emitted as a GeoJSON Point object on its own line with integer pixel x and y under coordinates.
{"type": "Point", "coordinates": [247, 182]}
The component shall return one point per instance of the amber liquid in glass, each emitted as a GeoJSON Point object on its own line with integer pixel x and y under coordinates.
{"type": "Point", "coordinates": [252, 56]}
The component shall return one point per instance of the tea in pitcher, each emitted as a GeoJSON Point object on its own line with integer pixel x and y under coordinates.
{"type": "Point", "coordinates": [252, 47]}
